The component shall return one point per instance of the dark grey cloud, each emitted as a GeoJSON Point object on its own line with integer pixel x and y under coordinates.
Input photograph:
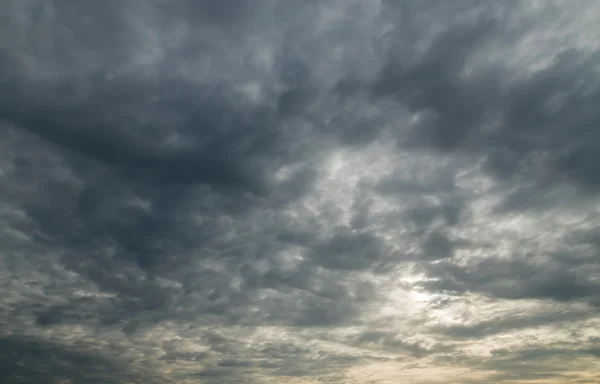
{"type": "Point", "coordinates": [503, 324]}
{"type": "Point", "coordinates": [542, 127]}
{"type": "Point", "coordinates": [200, 191]}
{"type": "Point", "coordinates": [28, 360]}
{"type": "Point", "coordinates": [515, 369]}
{"type": "Point", "coordinates": [516, 279]}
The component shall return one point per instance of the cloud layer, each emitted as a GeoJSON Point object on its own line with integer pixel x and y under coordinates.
{"type": "Point", "coordinates": [313, 191]}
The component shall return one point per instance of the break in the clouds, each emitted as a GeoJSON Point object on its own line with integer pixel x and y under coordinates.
{"type": "Point", "coordinates": [341, 191]}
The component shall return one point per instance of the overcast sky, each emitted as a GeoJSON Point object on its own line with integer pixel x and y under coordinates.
{"type": "Point", "coordinates": [302, 191]}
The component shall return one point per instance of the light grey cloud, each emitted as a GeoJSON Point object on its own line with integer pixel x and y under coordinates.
{"type": "Point", "coordinates": [340, 191]}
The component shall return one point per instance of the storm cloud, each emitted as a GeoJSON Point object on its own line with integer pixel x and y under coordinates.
{"type": "Point", "coordinates": [299, 191]}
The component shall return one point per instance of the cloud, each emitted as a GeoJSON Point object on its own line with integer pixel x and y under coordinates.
{"type": "Point", "coordinates": [26, 360]}
{"type": "Point", "coordinates": [278, 191]}
{"type": "Point", "coordinates": [515, 279]}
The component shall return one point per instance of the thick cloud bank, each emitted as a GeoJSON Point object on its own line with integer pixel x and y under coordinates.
{"type": "Point", "coordinates": [340, 191]}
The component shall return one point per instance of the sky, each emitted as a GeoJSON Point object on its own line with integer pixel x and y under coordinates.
{"type": "Point", "coordinates": [311, 191]}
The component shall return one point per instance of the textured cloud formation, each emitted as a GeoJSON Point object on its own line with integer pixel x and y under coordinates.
{"type": "Point", "coordinates": [340, 191]}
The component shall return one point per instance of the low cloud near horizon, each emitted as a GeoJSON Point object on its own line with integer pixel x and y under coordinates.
{"type": "Point", "coordinates": [269, 191]}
